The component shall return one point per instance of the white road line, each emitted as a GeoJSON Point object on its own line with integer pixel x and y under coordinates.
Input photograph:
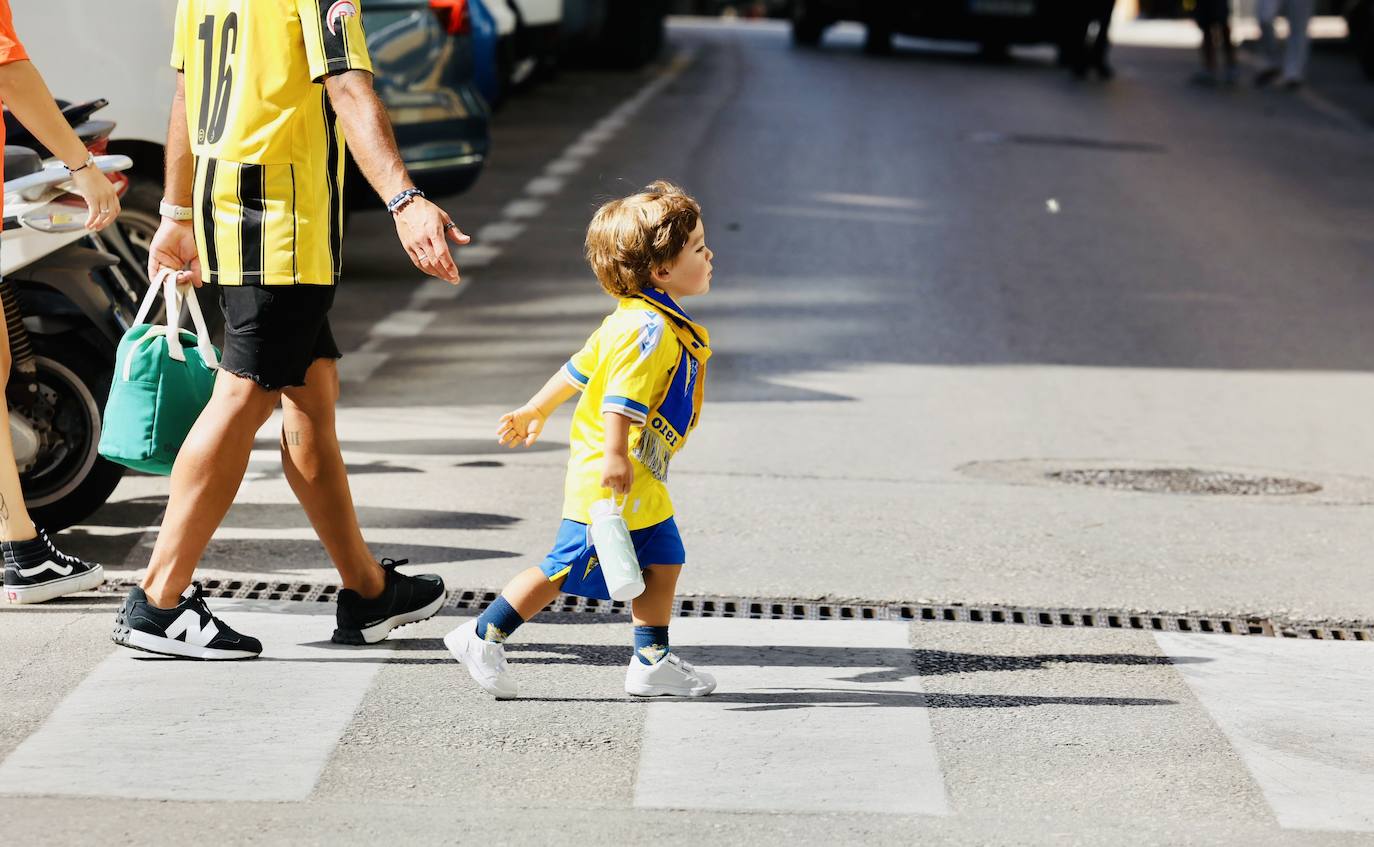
{"type": "Point", "coordinates": [221, 731]}
{"type": "Point", "coordinates": [403, 323]}
{"type": "Point", "coordinates": [495, 233]}
{"type": "Point", "coordinates": [478, 255]}
{"type": "Point", "coordinates": [544, 186]}
{"type": "Point", "coordinates": [519, 209]}
{"type": "Point", "coordinates": [565, 166]}
{"type": "Point", "coordinates": [793, 726]}
{"type": "Point", "coordinates": [433, 291]}
{"type": "Point", "coordinates": [360, 365]}
{"type": "Point", "coordinates": [1298, 713]}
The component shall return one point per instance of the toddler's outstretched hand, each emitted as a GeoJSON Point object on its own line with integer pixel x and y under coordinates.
{"type": "Point", "coordinates": [523, 424]}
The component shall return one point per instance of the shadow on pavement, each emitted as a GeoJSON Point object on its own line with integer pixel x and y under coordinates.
{"type": "Point", "coordinates": [886, 664]}
{"type": "Point", "coordinates": [810, 698]}
{"type": "Point", "coordinates": [143, 512]}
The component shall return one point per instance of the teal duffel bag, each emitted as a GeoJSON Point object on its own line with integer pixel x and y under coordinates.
{"type": "Point", "coordinates": [159, 388]}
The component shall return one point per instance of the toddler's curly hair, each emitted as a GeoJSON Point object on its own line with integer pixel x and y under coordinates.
{"type": "Point", "coordinates": [628, 238]}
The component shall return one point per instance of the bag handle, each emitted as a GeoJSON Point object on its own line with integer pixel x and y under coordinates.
{"type": "Point", "coordinates": [175, 295]}
{"type": "Point", "coordinates": [146, 307]}
{"type": "Point", "coordinates": [207, 350]}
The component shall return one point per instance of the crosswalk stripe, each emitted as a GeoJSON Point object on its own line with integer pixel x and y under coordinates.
{"type": "Point", "coordinates": [1297, 712]}
{"type": "Point", "coordinates": [152, 728]}
{"type": "Point", "coordinates": [804, 719]}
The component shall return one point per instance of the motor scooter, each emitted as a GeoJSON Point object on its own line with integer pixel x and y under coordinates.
{"type": "Point", "coordinates": [65, 310]}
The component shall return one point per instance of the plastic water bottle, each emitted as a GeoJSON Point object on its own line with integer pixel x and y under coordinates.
{"type": "Point", "coordinates": [616, 551]}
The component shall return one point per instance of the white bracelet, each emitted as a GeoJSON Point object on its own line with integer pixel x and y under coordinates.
{"type": "Point", "coordinates": [176, 213]}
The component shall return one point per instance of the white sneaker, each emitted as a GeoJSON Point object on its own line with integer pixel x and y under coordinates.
{"type": "Point", "coordinates": [485, 660]}
{"type": "Point", "coordinates": [668, 676]}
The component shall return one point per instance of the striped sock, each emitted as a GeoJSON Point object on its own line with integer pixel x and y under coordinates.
{"type": "Point", "coordinates": [498, 621]}
{"type": "Point", "coordinates": [651, 643]}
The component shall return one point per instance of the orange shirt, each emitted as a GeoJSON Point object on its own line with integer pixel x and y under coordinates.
{"type": "Point", "coordinates": [10, 51]}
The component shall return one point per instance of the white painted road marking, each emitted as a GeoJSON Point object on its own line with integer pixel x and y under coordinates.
{"type": "Point", "coordinates": [1298, 713]}
{"type": "Point", "coordinates": [790, 728]}
{"type": "Point", "coordinates": [164, 729]}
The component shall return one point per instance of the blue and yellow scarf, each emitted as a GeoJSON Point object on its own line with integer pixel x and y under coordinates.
{"type": "Point", "coordinates": [667, 425]}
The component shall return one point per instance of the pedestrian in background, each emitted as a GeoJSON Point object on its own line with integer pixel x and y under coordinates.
{"type": "Point", "coordinates": [1292, 63]}
{"type": "Point", "coordinates": [641, 376]}
{"type": "Point", "coordinates": [1087, 47]}
{"type": "Point", "coordinates": [1214, 19]}
{"type": "Point", "coordinates": [35, 570]}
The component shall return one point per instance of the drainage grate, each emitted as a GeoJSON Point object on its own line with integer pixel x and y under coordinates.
{"type": "Point", "coordinates": [777, 608]}
{"type": "Point", "coordinates": [1184, 481]}
{"type": "Point", "coordinates": [1072, 141]}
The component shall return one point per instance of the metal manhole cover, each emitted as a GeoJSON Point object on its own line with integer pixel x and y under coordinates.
{"type": "Point", "coordinates": [1184, 481]}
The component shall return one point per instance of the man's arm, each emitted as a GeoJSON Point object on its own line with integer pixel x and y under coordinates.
{"type": "Point", "coordinates": [422, 226]}
{"type": "Point", "coordinates": [179, 172]}
{"type": "Point", "coordinates": [22, 89]}
{"type": "Point", "coordinates": [174, 244]}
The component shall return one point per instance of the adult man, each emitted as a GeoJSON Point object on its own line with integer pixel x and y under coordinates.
{"type": "Point", "coordinates": [266, 93]}
{"type": "Point", "coordinates": [1292, 64]}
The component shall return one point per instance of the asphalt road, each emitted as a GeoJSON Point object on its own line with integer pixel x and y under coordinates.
{"type": "Point", "coordinates": [937, 281]}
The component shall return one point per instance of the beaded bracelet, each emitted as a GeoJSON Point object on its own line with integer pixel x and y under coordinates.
{"type": "Point", "coordinates": [400, 201]}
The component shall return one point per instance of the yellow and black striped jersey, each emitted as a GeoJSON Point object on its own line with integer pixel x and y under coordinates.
{"type": "Point", "coordinates": [269, 152]}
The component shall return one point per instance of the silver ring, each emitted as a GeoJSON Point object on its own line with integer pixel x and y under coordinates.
{"type": "Point", "coordinates": [450, 225]}
{"type": "Point", "coordinates": [422, 257]}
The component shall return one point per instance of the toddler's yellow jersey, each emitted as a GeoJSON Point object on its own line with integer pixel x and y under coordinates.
{"type": "Point", "coordinates": [268, 150]}
{"type": "Point", "coordinates": [626, 367]}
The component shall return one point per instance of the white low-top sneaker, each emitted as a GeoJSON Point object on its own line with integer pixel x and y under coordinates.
{"type": "Point", "coordinates": [669, 676]}
{"type": "Point", "coordinates": [485, 660]}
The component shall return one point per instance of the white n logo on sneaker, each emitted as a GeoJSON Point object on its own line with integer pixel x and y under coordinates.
{"type": "Point", "coordinates": [189, 625]}
{"type": "Point", "coordinates": [60, 570]}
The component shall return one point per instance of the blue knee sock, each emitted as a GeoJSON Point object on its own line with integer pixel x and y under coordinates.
{"type": "Point", "coordinates": [498, 621]}
{"type": "Point", "coordinates": [651, 643]}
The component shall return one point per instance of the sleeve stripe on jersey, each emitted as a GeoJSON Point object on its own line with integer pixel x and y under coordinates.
{"type": "Point", "coordinates": [574, 376]}
{"type": "Point", "coordinates": [637, 412]}
{"type": "Point", "coordinates": [333, 47]}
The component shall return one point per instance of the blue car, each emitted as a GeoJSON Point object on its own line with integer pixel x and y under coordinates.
{"type": "Point", "coordinates": [422, 56]}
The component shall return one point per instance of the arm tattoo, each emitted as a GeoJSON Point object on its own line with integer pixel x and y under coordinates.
{"type": "Point", "coordinates": [293, 437]}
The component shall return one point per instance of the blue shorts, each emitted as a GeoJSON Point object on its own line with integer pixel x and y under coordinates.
{"type": "Point", "coordinates": [574, 557]}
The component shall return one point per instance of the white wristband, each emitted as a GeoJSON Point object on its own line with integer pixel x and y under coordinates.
{"type": "Point", "coordinates": [176, 213]}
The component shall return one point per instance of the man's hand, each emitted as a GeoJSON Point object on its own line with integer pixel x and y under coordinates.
{"type": "Point", "coordinates": [525, 423]}
{"type": "Point", "coordinates": [424, 230]}
{"type": "Point", "coordinates": [174, 246]}
{"type": "Point", "coordinates": [618, 473]}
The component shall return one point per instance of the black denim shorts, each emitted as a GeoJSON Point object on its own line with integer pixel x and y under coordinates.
{"type": "Point", "coordinates": [274, 333]}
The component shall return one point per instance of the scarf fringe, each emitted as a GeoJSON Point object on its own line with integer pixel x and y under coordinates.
{"type": "Point", "coordinates": [654, 453]}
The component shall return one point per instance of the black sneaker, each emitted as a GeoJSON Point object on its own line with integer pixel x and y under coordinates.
{"type": "Point", "coordinates": [405, 600]}
{"type": "Point", "coordinates": [188, 631]}
{"type": "Point", "coordinates": [35, 571]}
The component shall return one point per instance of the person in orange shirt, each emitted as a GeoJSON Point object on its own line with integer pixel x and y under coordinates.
{"type": "Point", "coordinates": [35, 570]}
